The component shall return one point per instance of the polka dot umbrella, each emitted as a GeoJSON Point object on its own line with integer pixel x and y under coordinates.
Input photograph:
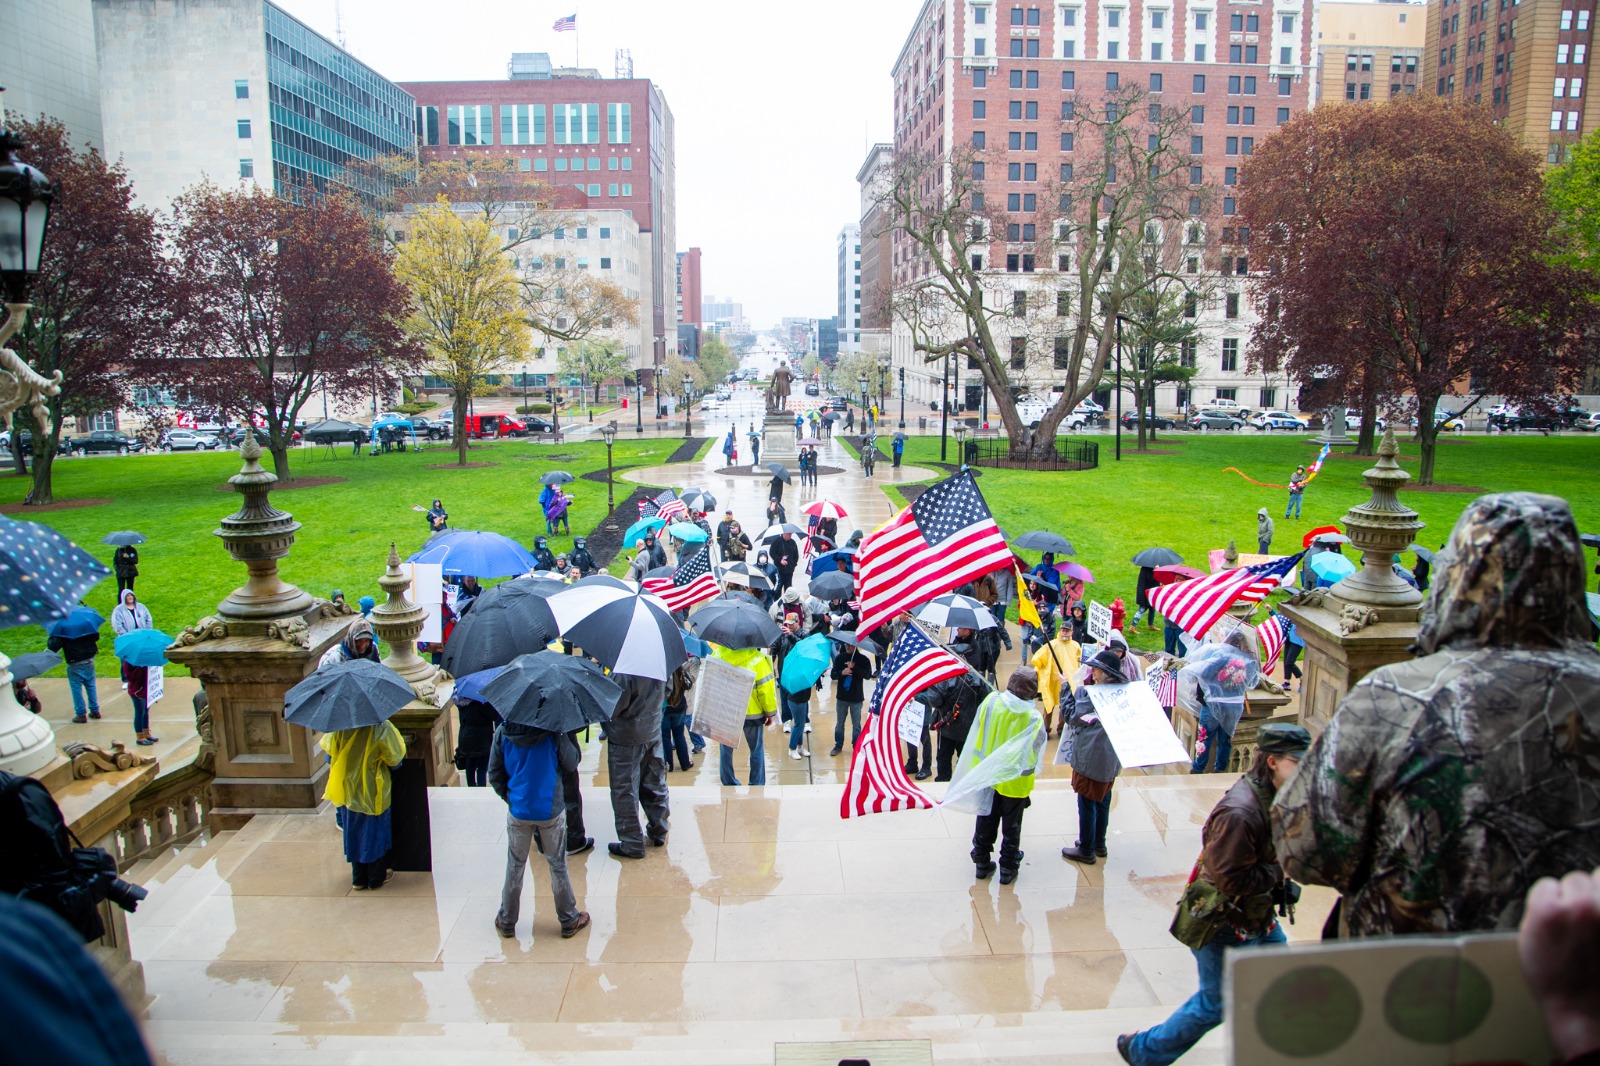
{"type": "Point", "coordinates": [43, 575]}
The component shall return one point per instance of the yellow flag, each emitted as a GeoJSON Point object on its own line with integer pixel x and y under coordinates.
{"type": "Point", "coordinates": [1026, 611]}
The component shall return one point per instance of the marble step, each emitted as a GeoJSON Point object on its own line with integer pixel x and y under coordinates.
{"type": "Point", "coordinates": [159, 868]}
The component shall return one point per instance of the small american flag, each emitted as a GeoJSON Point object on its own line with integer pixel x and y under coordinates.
{"type": "Point", "coordinates": [1197, 605]}
{"type": "Point", "coordinates": [1272, 636]}
{"type": "Point", "coordinates": [648, 509]}
{"type": "Point", "coordinates": [1165, 685]}
{"type": "Point", "coordinates": [668, 506]}
{"type": "Point", "coordinates": [691, 583]}
{"type": "Point", "coordinates": [942, 541]}
{"type": "Point", "coordinates": [877, 781]}
{"type": "Point", "coordinates": [569, 24]}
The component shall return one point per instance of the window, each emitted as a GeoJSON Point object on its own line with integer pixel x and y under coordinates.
{"type": "Point", "coordinates": [594, 162]}
{"type": "Point", "coordinates": [1572, 120]}
{"type": "Point", "coordinates": [1063, 353]}
{"type": "Point", "coordinates": [1230, 175]}
{"type": "Point", "coordinates": [980, 109]}
{"type": "Point", "coordinates": [1231, 146]}
{"type": "Point", "coordinates": [1235, 53]}
{"type": "Point", "coordinates": [1066, 142]}
{"type": "Point", "coordinates": [980, 77]}
{"type": "Point", "coordinates": [1015, 110]}
{"type": "Point", "coordinates": [1112, 112]}
{"type": "Point", "coordinates": [1583, 21]}
{"type": "Point", "coordinates": [605, 233]}
{"type": "Point", "coordinates": [978, 140]}
{"type": "Point", "coordinates": [1228, 205]}
{"type": "Point", "coordinates": [241, 89]}
{"type": "Point", "coordinates": [1283, 115]}
{"type": "Point", "coordinates": [1155, 82]}
{"type": "Point", "coordinates": [1577, 88]}
{"type": "Point", "coordinates": [1114, 17]}
{"type": "Point", "coordinates": [1241, 265]}
{"type": "Point", "coordinates": [1197, 117]}
{"type": "Point", "coordinates": [1196, 176]}
{"type": "Point", "coordinates": [1187, 349]}
{"type": "Point", "coordinates": [1561, 87]}
{"type": "Point", "coordinates": [1014, 232]}
{"type": "Point", "coordinates": [1016, 16]}
{"type": "Point", "coordinates": [1033, 16]}
{"type": "Point", "coordinates": [1014, 201]}
{"type": "Point", "coordinates": [1019, 304]}
{"type": "Point", "coordinates": [611, 190]}
{"type": "Point", "coordinates": [1030, 109]}
{"type": "Point", "coordinates": [1031, 80]}
{"type": "Point", "coordinates": [1016, 79]}
{"type": "Point", "coordinates": [1191, 305]}
{"type": "Point", "coordinates": [561, 164]}
{"type": "Point", "coordinates": [1235, 83]}
{"type": "Point", "coordinates": [1566, 19]}
{"type": "Point", "coordinates": [1030, 172]}
{"type": "Point", "coordinates": [524, 164]}
{"type": "Point", "coordinates": [1069, 16]}
{"type": "Point", "coordinates": [1069, 79]}
{"type": "Point", "coordinates": [1230, 348]}
{"type": "Point", "coordinates": [1202, 20]}
{"type": "Point", "coordinates": [1286, 55]}
{"type": "Point", "coordinates": [1194, 205]}
{"type": "Point", "coordinates": [1236, 23]}
{"type": "Point", "coordinates": [1016, 49]}
{"type": "Point", "coordinates": [611, 163]}
{"type": "Point", "coordinates": [1199, 57]}
{"type": "Point", "coordinates": [1231, 305]}
{"type": "Point", "coordinates": [1066, 171]}
{"type": "Point", "coordinates": [1111, 80]}
{"type": "Point", "coordinates": [1284, 86]}
{"type": "Point", "coordinates": [1287, 24]}
{"type": "Point", "coordinates": [1579, 51]}
{"type": "Point", "coordinates": [541, 164]}
{"type": "Point", "coordinates": [1013, 172]}
{"type": "Point", "coordinates": [977, 262]}
{"type": "Point", "coordinates": [244, 129]}
{"type": "Point", "coordinates": [980, 14]}
{"type": "Point", "coordinates": [1561, 56]}
{"type": "Point", "coordinates": [627, 189]}
{"type": "Point", "coordinates": [1233, 116]}
{"type": "Point", "coordinates": [1019, 353]}
{"type": "Point", "coordinates": [1014, 140]}
{"type": "Point", "coordinates": [247, 168]}
{"type": "Point", "coordinates": [605, 262]}
{"type": "Point", "coordinates": [1111, 173]}
{"type": "Point", "coordinates": [1199, 83]}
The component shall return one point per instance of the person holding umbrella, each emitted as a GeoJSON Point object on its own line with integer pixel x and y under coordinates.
{"type": "Point", "coordinates": [785, 556]}
{"type": "Point", "coordinates": [126, 564]}
{"type": "Point", "coordinates": [850, 674]}
{"type": "Point", "coordinates": [28, 666]}
{"type": "Point", "coordinates": [898, 448]}
{"type": "Point", "coordinates": [77, 638]}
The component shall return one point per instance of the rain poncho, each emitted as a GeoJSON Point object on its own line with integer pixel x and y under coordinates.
{"type": "Point", "coordinates": [1057, 663]}
{"type": "Point", "coordinates": [763, 698]}
{"type": "Point", "coordinates": [359, 761]}
{"type": "Point", "coordinates": [1001, 755]}
{"type": "Point", "coordinates": [1218, 675]}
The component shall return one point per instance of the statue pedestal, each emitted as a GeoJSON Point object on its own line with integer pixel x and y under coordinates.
{"type": "Point", "coordinates": [1344, 643]}
{"type": "Point", "coordinates": [1334, 432]}
{"type": "Point", "coordinates": [1260, 706]}
{"type": "Point", "coordinates": [778, 439]}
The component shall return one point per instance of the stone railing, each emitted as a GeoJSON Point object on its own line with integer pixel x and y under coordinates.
{"type": "Point", "coordinates": [167, 813]}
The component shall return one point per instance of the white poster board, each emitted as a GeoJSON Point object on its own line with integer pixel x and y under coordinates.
{"type": "Point", "coordinates": [1099, 622]}
{"type": "Point", "coordinates": [427, 592]}
{"type": "Point", "coordinates": [155, 685]}
{"type": "Point", "coordinates": [721, 696]}
{"type": "Point", "coordinates": [1136, 724]}
{"type": "Point", "coordinates": [911, 720]}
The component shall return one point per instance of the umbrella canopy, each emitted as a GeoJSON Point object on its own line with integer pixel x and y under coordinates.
{"type": "Point", "coordinates": [123, 537]}
{"type": "Point", "coordinates": [142, 647]}
{"type": "Point", "coordinates": [629, 631]}
{"type": "Point", "coordinates": [1330, 538]}
{"type": "Point", "coordinates": [687, 532]}
{"type": "Point", "coordinates": [347, 695]}
{"type": "Point", "coordinates": [33, 664]}
{"type": "Point", "coordinates": [1041, 540]}
{"type": "Point", "coordinates": [806, 662]}
{"type": "Point", "coordinates": [79, 622]}
{"type": "Point", "coordinates": [641, 529]}
{"type": "Point", "coordinates": [834, 585]}
{"type": "Point", "coordinates": [43, 575]}
{"type": "Point", "coordinates": [778, 470]}
{"type": "Point", "coordinates": [1305, 541]}
{"type": "Point", "coordinates": [1331, 566]}
{"type": "Point", "coordinates": [734, 625]}
{"type": "Point", "coordinates": [474, 553]}
{"type": "Point", "coordinates": [809, 441]}
{"type": "Point", "coordinates": [1425, 554]}
{"type": "Point", "coordinates": [746, 575]}
{"type": "Point", "coordinates": [508, 620]}
{"type": "Point", "coordinates": [774, 532]}
{"type": "Point", "coordinates": [825, 509]}
{"type": "Point", "coordinates": [554, 692]}
{"type": "Point", "coordinates": [737, 596]}
{"type": "Point", "coordinates": [957, 612]}
{"type": "Point", "coordinates": [1592, 601]}
{"type": "Point", "coordinates": [556, 477]}
{"type": "Point", "coordinates": [832, 416]}
{"type": "Point", "coordinates": [1167, 575]}
{"type": "Point", "coordinates": [828, 562]}
{"type": "Point", "coordinates": [900, 435]}
{"type": "Point", "coordinates": [1077, 570]}
{"type": "Point", "coordinates": [850, 637]}
{"type": "Point", "coordinates": [1157, 557]}
{"type": "Point", "coordinates": [471, 686]}
{"type": "Point", "coordinates": [698, 500]}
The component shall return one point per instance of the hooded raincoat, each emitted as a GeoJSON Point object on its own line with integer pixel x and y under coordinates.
{"type": "Point", "coordinates": [1057, 663]}
{"type": "Point", "coordinates": [1002, 753]}
{"type": "Point", "coordinates": [130, 615]}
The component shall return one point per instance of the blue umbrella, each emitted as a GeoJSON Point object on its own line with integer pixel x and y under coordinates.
{"type": "Point", "coordinates": [43, 575]}
{"type": "Point", "coordinates": [142, 647]}
{"type": "Point", "coordinates": [691, 644]}
{"type": "Point", "coordinates": [471, 686]}
{"type": "Point", "coordinates": [470, 553]}
{"type": "Point", "coordinates": [687, 532]}
{"type": "Point", "coordinates": [79, 623]}
{"type": "Point", "coordinates": [806, 662]}
{"type": "Point", "coordinates": [1332, 566]}
{"type": "Point", "coordinates": [827, 562]}
{"type": "Point", "coordinates": [640, 529]}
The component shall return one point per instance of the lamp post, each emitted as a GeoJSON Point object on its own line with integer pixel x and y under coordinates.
{"type": "Point", "coordinates": [961, 443]}
{"type": "Point", "coordinates": [609, 432]}
{"type": "Point", "coordinates": [861, 383]}
{"type": "Point", "coordinates": [902, 397]}
{"type": "Point", "coordinates": [1117, 403]}
{"type": "Point", "coordinates": [638, 401]}
{"type": "Point", "coordinates": [688, 398]}
{"type": "Point", "coordinates": [944, 409]}
{"type": "Point", "coordinates": [883, 382]}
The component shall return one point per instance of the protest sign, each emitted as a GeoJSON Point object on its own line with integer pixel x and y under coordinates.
{"type": "Point", "coordinates": [911, 720]}
{"type": "Point", "coordinates": [1136, 725]}
{"type": "Point", "coordinates": [720, 697]}
{"type": "Point", "coordinates": [1099, 622]}
{"type": "Point", "coordinates": [155, 685]}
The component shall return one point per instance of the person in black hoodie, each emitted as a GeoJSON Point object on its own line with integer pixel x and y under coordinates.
{"type": "Point", "coordinates": [79, 653]}
{"type": "Point", "coordinates": [952, 704]}
{"type": "Point", "coordinates": [850, 673]}
{"type": "Point", "coordinates": [786, 556]}
{"type": "Point", "coordinates": [476, 737]}
{"type": "Point", "coordinates": [581, 558]}
{"type": "Point", "coordinates": [126, 563]}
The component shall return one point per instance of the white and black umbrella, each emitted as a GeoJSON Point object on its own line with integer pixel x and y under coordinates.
{"type": "Point", "coordinates": [774, 532]}
{"type": "Point", "coordinates": [698, 500]}
{"type": "Point", "coordinates": [957, 612]}
{"type": "Point", "coordinates": [630, 631]}
{"type": "Point", "coordinates": [737, 596]}
{"type": "Point", "coordinates": [744, 574]}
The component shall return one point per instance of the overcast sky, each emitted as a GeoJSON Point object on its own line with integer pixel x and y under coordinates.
{"type": "Point", "coordinates": [775, 104]}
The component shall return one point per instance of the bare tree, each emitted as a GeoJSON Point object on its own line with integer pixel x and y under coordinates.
{"type": "Point", "coordinates": [1160, 319]}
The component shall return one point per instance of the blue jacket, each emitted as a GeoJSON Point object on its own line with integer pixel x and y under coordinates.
{"type": "Point", "coordinates": [525, 767]}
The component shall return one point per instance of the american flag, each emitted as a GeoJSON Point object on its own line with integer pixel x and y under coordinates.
{"type": "Point", "coordinates": [647, 509]}
{"type": "Point", "coordinates": [691, 583]}
{"type": "Point", "coordinates": [668, 506]}
{"type": "Point", "coordinates": [1196, 605]}
{"type": "Point", "coordinates": [567, 24]}
{"type": "Point", "coordinates": [1165, 685]}
{"type": "Point", "coordinates": [877, 781]}
{"type": "Point", "coordinates": [1272, 636]}
{"type": "Point", "coordinates": [942, 541]}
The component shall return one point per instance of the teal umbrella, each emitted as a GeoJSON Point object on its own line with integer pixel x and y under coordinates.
{"type": "Point", "coordinates": [806, 662]}
{"type": "Point", "coordinates": [637, 531]}
{"type": "Point", "coordinates": [1331, 566]}
{"type": "Point", "coordinates": [687, 532]}
{"type": "Point", "coordinates": [142, 647]}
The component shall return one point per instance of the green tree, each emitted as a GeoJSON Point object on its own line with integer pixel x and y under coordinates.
{"type": "Point", "coordinates": [716, 361]}
{"type": "Point", "coordinates": [1574, 193]}
{"type": "Point", "coordinates": [1158, 319]}
{"type": "Point", "coordinates": [593, 362]}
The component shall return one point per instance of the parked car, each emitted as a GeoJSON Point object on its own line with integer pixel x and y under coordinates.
{"type": "Point", "coordinates": [1270, 420]}
{"type": "Point", "coordinates": [813, 389]}
{"type": "Point", "coordinates": [440, 429]}
{"type": "Point", "coordinates": [1529, 418]}
{"type": "Point", "coordinates": [838, 403]}
{"type": "Point", "coordinates": [1231, 406]}
{"type": "Point", "coordinates": [102, 440]}
{"type": "Point", "coordinates": [535, 424]}
{"type": "Point", "coordinates": [1130, 420]}
{"type": "Point", "coordinates": [1352, 422]}
{"type": "Point", "coordinates": [1215, 419]}
{"type": "Point", "coordinates": [1590, 422]}
{"type": "Point", "coordinates": [187, 440]}
{"type": "Point", "coordinates": [27, 443]}
{"type": "Point", "coordinates": [1444, 420]}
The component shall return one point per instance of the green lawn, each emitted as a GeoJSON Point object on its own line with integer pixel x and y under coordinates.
{"type": "Point", "coordinates": [1187, 501]}
{"type": "Point", "coordinates": [345, 528]}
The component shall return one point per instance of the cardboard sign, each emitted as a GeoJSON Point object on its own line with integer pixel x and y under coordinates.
{"type": "Point", "coordinates": [427, 592]}
{"type": "Point", "coordinates": [155, 685]}
{"type": "Point", "coordinates": [1136, 724]}
{"type": "Point", "coordinates": [721, 696]}
{"type": "Point", "coordinates": [911, 720]}
{"type": "Point", "coordinates": [1099, 621]}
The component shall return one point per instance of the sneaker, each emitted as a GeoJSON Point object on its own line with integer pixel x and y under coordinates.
{"type": "Point", "coordinates": [794, 753]}
{"type": "Point", "coordinates": [1007, 876]}
{"type": "Point", "coordinates": [788, 726]}
{"type": "Point", "coordinates": [805, 752]}
{"type": "Point", "coordinates": [1124, 1046]}
{"type": "Point", "coordinates": [808, 727]}
{"type": "Point", "coordinates": [572, 928]}
{"type": "Point", "coordinates": [621, 852]}
{"type": "Point", "coordinates": [507, 934]}
{"type": "Point", "coordinates": [586, 844]}
{"type": "Point", "coordinates": [923, 775]}
{"type": "Point", "coordinates": [836, 749]}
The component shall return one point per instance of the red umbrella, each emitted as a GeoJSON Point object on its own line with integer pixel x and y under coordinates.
{"type": "Point", "coordinates": [825, 509]}
{"type": "Point", "coordinates": [1305, 541]}
{"type": "Point", "coordinates": [1169, 575]}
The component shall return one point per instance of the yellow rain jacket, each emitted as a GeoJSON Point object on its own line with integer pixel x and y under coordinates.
{"type": "Point", "coordinates": [358, 777]}
{"type": "Point", "coordinates": [764, 697]}
{"type": "Point", "coordinates": [1057, 663]}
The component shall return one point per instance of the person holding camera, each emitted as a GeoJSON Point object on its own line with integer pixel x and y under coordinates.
{"type": "Point", "coordinates": [1234, 895]}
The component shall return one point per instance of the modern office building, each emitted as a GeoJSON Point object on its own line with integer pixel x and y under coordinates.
{"type": "Point", "coordinates": [238, 91]}
{"type": "Point", "coordinates": [1528, 62]}
{"type": "Point", "coordinates": [877, 251]}
{"type": "Point", "coordinates": [689, 296]}
{"type": "Point", "coordinates": [47, 65]}
{"type": "Point", "coordinates": [1000, 76]}
{"type": "Point", "coordinates": [849, 314]}
{"type": "Point", "coordinates": [1368, 51]}
{"type": "Point", "coordinates": [611, 137]}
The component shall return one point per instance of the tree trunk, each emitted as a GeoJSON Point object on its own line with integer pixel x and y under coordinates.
{"type": "Point", "coordinates": [459, 408]}
{"type": "Point", "coordinates": [1366, 440]}
{"type": "Point", "coordinates": [44, 456]}
{"type": "Point", "coordinates": [16, 449]}
{"type": "Point", "coordinates": [280, 459]}
{"type": "Point", "coordinates": [1427, 437]}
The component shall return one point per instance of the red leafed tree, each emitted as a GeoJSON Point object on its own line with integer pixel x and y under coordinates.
{"type": "Point", "coordinates": [1405, 252]}
{"type": "Point", "coordinates": [100, 299]}
{"type": "Point", "coordinates": [283, 299]}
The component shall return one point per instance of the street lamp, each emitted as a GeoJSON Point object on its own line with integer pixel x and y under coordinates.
{"type": "Point", "coordinates": [609, 432]}
{"type": "Point", "coordinates": [861, 382]}
{"type": "Point", "coordinates": [902, 397]}
{"type": "Point", "coordinates": [1117, 403]}
{"type": "Point", "coordinates": [25, 199]}
{"type": "Point", "coordinates": [883, 381]}
{"type": "Point", "coordinates": [961, 443]}
{"type": "Point", "coordinates": [688, 398]}
{"type": "Point", "coordinates": [638, 401]}
{"type": "Point", "coordinates": [944, 410]}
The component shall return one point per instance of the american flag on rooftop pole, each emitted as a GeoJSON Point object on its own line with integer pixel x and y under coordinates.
{"type": "Point", "coordinates": [691, 583]}
{"type": "Point", "coordinates": [1198, 604]}
{"type": "Point", "coordinates": [566, 24]}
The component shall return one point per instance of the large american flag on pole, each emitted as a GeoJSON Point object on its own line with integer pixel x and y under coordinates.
{"type": "Point", "coordinates": [877, 780]}
{"type": "Point", "coordinates": [691, 583]}
{"type": "Point", "coordinates": [1272, 635]}
{"type": "Point", "coordinates": [669, 507]}
{"type": "Point", "coordinates": [566, 24]}
{"type": "Point", "coordinates": [942, 541]}
{"type": "Point", "coordinates": [1198, 604]}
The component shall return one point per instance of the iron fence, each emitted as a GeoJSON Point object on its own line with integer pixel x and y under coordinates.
{"type": "Point", "coordinates": [1066, 455]}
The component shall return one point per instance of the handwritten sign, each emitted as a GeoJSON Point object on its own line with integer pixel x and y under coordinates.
{"type": "Point", "coordinates": [1137, 725]}
{"type": "Point", "coordinates": [911, 720]}
{"type": "Point", "coordinates": [1099, 621]}
{"type": "Point", "coordinates": [721, 696]}
{"type": "Point", "coordinates": [155, 685]}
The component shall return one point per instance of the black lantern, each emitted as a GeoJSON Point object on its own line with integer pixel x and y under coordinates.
{"type": "Point", "coordinates": [25, 198]}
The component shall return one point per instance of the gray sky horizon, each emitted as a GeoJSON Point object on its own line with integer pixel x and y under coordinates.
{"type": "Point", "coordinates": [774, 111]}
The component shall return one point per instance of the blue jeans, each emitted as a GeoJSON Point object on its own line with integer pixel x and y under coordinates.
{"type": "Point", "coordinates": [1293, 510]}
{"type": "Point", "coordinates": [1092, 819]}
{"type": "Point", "coordinates": [80, 678]}
{"type": "Point", "coordinates": [758, 754]}
{"type": "Point", "coordinates": [840, 708]}
{"type": "Point", "coordinates": [1219, 745]}
{"type": "Point", "coordinates": [141, 714]}
{"type": "Point", "coordinates": [673, 738]}
{"type": "Point", "coordinates": [1202, 1012]}
{"type": "Point", "coordinates": [799, 714]}
{"type": "Point", "coordinates": [1170, 632]}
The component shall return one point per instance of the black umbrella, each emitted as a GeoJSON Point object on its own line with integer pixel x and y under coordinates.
{"type": "Point", "coordinates": [1041, 540]}
{"type": "Point", "coordinates": [734, 625]}
{"type": "Point", "coordinates": [557, 477]}
{"type": "Point", "coordinates": [848, 636]}
{"type": "Point", "coordinates": [1425, 554]}
{"type": "Point", "coordinates": [43, 575]}
{"type": "Point", "coordinates": [778, 470]}
{"type": "Point", "coordinates": [554, 692]}
{"type": "Point", "coordinates": [834, 585]}
{"type": "Point", "coordinates": [33, 664]}
{"type": "Point", "coordinates": [123, 537]}
{"type": "Point", "coordinates": [738, 596]}
{"type": "Point", "coordinates": [1157, 557]}
{"type": "Point", "coordinates": [347, 695]}
{"type": "Point", "coordinates": [508, 620]}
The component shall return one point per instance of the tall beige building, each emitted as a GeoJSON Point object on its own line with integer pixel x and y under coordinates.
{"type": "Point", "coordinates": [1369, 51]}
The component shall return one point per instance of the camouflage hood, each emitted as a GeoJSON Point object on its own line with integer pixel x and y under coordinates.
{"type": "Point", "coordinates": [1511, 576]}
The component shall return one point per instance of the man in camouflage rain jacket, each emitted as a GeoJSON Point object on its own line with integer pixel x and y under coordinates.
{"type": "Point", "coordinates": [1446, 786]}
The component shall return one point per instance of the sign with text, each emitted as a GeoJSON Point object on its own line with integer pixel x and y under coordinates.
{"type": "Point", "coordinates": [1137, 725]}
{"type": "Point", "coordinates": [427, 592]}
{"type": "Point", "coordinates": [1099, 621]}
{"type": "Point", "coordinates": [911, 720]}
{"type": "Point", "coordinates": [155, 685]}
{"type": "Point", "coordinates": [720, 697]}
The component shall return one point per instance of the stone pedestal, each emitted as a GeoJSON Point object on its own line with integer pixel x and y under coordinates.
{"type": "Point", "coordinates": [778, 439]}
{"type": "Point", "coordinates": [1334, 432]}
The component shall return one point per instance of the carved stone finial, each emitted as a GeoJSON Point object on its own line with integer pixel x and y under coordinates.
{"type": "Point", "coordinates": [398, 622]}
{"type": "Point", "coordinates": [258, 535]}
{"type": "Point", "coordinates": [1380, 529]}
{"type": "Point", "coordinates": [1230, 557]}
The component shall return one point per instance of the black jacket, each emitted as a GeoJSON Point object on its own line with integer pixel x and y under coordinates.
{"type": "Point", "coordinates": [637, 719]}
{"type": "Point", "coordinates": [952, 706]}
{"type": "Point", "coordinates": [852, 687]}
{"type": "Point", "coordinates": [76, 649]}
{"type": "Point", "coordinates": [126, 561]}
{"type": "Point", "coordinates": [785, 555]}
{"type": "Point", "coordinates": [477, 727]}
